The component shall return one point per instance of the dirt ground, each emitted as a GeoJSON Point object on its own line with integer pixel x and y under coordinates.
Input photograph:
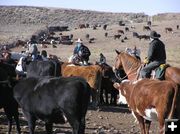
{"type": "Point", "coordinates": [109, 119]}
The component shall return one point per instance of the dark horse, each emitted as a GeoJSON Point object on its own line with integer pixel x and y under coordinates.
{"type": "Point", "coordinates": [131, 66]}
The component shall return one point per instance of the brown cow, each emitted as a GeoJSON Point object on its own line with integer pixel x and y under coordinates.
{"type": "Point", "coordinates": [146, 28]}
{"type": "Point", "coordinates": [117, 36]}
{"type": "Point", "coordinates": [82, 26]}
{"type": "Point", "coordinates": [92, 74]}
{"type": "Point", "coordinates": [151, 100]}
{"type": "Point", "coordinates": [20, 43]}
{"type": "Point", "coordinates": [120, 31]}
{"type": "Point", "coordinates": [145, 37]}
{"type": "Point", "coordinates": [169, 29]}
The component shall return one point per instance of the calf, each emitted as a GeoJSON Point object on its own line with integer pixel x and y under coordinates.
{"type": "Point", "coordinates": [150, 100]}
{"type": "Point", "coordinates": [53, 99]}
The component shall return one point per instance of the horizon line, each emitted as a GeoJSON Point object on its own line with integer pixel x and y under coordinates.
{"type": "Point", "coordinates": [88, 9]}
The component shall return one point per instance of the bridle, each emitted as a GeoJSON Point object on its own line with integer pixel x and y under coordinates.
{"type": "Point", "coordinates": [127, 74]}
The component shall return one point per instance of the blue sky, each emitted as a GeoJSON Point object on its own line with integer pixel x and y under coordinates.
{"type": "Point", "coordinates": [150, 7]}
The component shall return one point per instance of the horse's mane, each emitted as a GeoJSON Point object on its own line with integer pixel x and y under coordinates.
{"type": "Point", "coordinates": [130, 57]}
{"type": "Point", "coordinates": [129, 60]}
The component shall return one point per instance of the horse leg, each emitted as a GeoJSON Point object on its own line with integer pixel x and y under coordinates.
{"type": "Point", "coordinates": [101, 96]}
{"type": "Point", "coordinates": [106, 95]}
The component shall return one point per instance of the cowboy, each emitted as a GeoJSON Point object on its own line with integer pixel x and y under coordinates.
{"type": "Point", "coordinates": [44, 55]}
{"type": "Point", "coordinates": [82, 52]}
{"type": "Point", "coordinates": [33, 50]}
{"type": "Point", "coordinates": [156, 55]}
{"type": "Point", "coordinates": [136, 53]}
{"type": "Point", "coordinates": [7, 58]}
{"type": "Point", "coordinates": [102, 59]}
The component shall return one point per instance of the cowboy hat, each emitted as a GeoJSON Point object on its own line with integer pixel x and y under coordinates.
{"type": "Point", "coordinates": [154, 35]}
{"type": "Point", "coordinates": [79, 40]}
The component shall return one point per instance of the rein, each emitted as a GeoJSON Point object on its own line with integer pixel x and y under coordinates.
{"type": "Point", "coordinates": [128, 74]}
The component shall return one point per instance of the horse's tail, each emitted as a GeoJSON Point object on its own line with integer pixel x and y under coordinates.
{"type": "Point", "coordinates": [174, 106]}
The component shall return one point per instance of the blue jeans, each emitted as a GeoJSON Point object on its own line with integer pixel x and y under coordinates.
{"type": "Point", "coordinates": [146, 71]}
{"type": "Point", "coordinates": [34, 57]}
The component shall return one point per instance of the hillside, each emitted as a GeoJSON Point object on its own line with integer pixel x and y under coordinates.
{"type": "Point", "coordinates": [20, 22]}
{"type": "Point", "coordinates": [60, 16]}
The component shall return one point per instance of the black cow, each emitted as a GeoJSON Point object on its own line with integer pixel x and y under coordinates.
{"type": "Point", "coordinates": [38, 68]}
{"type": "Point", "coordinates": [108, 78]}
{"type": "Point", "coordinates": [135, 34]}
{"type": "Point", "coordinates": [7, 100]}
{"type": "Point", "coordinates": [43, 68]}
{"type": "Point", "coordinates": [53, 99]}
{"type": "Point", "coordinates": [105, 26]}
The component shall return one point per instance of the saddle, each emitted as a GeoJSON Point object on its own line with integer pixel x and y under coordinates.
{"type": "Point", "coordinates": [78, 61]}
{"type": "Point", "coordinates": [159, 72]}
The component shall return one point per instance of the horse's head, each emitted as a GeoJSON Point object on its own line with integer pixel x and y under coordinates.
{"type": "Point", "coordinates": [118, 62]}
{"type": "Point", "coordinates": [118, 66]}
{"type": "Point", "coordinates": [126, 62]}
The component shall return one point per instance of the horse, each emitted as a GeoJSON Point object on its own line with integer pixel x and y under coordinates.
{"type": "Point", "coordinates": [132, 66]}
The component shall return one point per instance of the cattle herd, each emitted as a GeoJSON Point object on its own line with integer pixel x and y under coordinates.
{"type": "Point", "coordinates": [57, 91]}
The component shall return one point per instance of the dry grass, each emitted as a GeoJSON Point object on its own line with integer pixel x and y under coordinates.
{"type": "Point", "coordinates": [13, 27]}
{"type": "Point", "coordinates": [108, 45]}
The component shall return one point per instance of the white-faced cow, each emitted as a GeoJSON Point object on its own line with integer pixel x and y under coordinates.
{"type": "Point", "coordinates": [151, 100]}
{"type": "Point", "coordinates": [53, 99]}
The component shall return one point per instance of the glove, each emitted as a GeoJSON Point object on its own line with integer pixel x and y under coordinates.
{"type": "Point", "coordinates": [146, 61]}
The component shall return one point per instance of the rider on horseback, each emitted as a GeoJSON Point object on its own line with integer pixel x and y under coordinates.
{"type": "Point", "coordinates": [81, 52]}
{"type": "Point", "coordinates": [156, 55]}
{"type": "Point", "coordinates": [33, 50]}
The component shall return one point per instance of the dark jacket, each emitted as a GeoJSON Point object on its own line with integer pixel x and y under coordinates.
{"type": "Point", "coordinates": [156, 51]}
{"type": "Point", "coordinates": [85, 52]}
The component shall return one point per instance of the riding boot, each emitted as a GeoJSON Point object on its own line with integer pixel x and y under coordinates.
{"type": "Point", "coordinates": [85, 63]}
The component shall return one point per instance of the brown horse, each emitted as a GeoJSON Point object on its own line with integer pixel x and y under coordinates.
{"type": "Point", "coordinates": [131, 66]}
